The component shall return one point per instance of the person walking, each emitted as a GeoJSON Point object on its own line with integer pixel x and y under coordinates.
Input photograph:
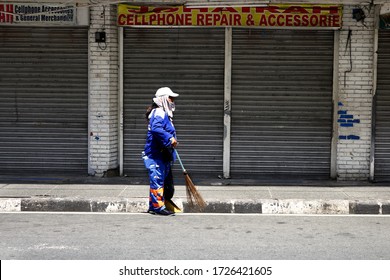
{"type": "Point", "coordinates": [158, 154]}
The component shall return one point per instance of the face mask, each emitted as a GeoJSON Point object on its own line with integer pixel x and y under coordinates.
{"type": "Point", "coordinates": [172, 105]}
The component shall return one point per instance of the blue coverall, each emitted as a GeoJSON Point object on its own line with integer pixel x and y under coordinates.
{"type": "Point", "coordinates": [158, 157]}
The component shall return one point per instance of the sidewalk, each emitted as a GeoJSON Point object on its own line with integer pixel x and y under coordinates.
{"type": "Point", "coordinates": [114, 195]}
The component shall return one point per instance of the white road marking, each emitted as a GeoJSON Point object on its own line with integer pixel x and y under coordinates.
{"type": "Point", "coordinates": [200, 214]}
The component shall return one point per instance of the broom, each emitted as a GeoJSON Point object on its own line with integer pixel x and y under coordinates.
{"type": "Point", "coordinates": [194, 198]}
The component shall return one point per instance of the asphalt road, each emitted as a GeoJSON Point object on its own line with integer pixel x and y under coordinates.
{"type": "Point", "coordinates": [78, 236]}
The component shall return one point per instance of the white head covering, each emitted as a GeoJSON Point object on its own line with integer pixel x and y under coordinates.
{"type": "Point", "coordinates": [166, 91]}
{"type": "Point", "coordinates": [161, 100]}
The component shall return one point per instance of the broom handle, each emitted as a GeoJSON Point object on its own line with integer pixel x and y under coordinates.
{"type": "Point", "coordinates": [181, 163]}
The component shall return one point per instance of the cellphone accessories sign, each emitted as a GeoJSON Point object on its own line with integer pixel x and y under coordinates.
{"type": "Point", "coordinates": [37, 14]}
{"type": "Point", "coordinates": [271, 16]}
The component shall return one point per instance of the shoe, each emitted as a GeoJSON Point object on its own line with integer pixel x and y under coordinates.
{"type": "Point", "coordinates": [163, 212]}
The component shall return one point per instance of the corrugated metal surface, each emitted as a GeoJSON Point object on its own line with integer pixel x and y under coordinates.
{"type": "Point", "coordinates": [43, 100]}
{"type": "Point", "coordinates": [191, 62]}
{"type": "Point", "coordinates": [281, 103]}
{"type": "Point", "coordinates": [382, 118]}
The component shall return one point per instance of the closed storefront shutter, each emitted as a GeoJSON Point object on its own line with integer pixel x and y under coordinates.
{"type": "Point", "coordinates": [281, 103]}
{"type": "Point", "coordinates": [191, 62]}
{"type": "Point", "coordinates": [43, 100]}
{"type": "Point", "coordinates": [382, 118]}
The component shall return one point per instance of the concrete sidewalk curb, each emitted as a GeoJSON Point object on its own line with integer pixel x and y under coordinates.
{"type": "Point", "coordinates": [140, 205]}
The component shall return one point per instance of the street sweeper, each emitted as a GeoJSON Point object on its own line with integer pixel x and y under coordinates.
{"type": "Point", "coordinates": [159, 154]}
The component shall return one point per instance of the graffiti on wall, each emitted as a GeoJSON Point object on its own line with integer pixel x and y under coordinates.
{"type": "Point", "coordinates": [347, 120]}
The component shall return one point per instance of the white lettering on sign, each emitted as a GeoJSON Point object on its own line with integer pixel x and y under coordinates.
{"type": "Point", "coordinates": [41, 14]}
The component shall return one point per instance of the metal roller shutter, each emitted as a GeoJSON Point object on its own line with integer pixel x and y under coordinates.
{"type": "Point", "coordinates": [382, 118]}
{"type": "Point", "coordinates": [281, 103]}
{"type": "Point", "coordinates": [43, 100]}
{"type": "Point", "coordinates": [191, 62]}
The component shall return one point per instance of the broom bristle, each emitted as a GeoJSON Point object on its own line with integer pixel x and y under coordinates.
{"type": "Point", "coordinates": [193, 196]}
